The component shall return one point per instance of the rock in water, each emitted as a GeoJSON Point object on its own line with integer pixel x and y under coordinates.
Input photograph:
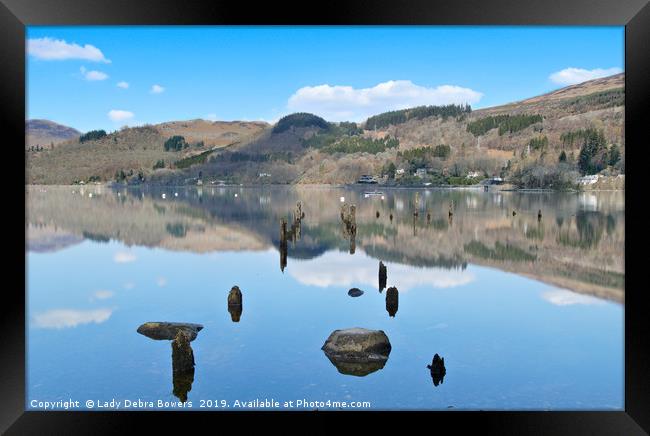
{"type": "Point", "coordinates": [357, 351]}
{"type": "Point", "coordinates": [382, 276]}
{"type": "Point", "coordinates": [169, 330]}
{"type": "Point", "coordinates": [355, 292]}
{"type": "Point", "coordinates": [437, 369]}
{"type": "Point", "coordinates": [392, 301]}
{"type": "Point", "coordinates": [234, 297]}
{"type": "Point", "coordinates": [358, 344]}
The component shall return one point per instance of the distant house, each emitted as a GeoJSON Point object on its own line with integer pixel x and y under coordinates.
{"type": "Point", "coordinates": [494, 181]}
{"type": "Point", "coordinates": [421, 172]}
{"type": "Point", "coordinates": [473, 174]}
{"type": "Point", "coordinates": [587, 180]}
{"type": "Point", "coordinates": [400, 171]}
{"type": "Point", "coordinates": [265, 175]}
{"type": "Point", "coordinates": [366, 178]}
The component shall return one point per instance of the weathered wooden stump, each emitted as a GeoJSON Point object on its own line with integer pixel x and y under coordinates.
{"type": "Point", "coordinates": [382, 276]}
{"type": "Point", "coordinates": [182, 365]}
{"type": "Point", "coordinates": [235, 303]}
{"type": "Point", "coordinates": [437, 369]}
{"type": "Point", "coordinates": [392, 301]}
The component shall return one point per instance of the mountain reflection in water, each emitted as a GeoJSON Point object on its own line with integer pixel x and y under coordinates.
{"type": "Point", "coordinates": [457, 273]}
{"type": "Point", "coordinates": [578, 245]}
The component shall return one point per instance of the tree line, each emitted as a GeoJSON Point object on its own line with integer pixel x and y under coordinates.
{"type": "Point", "coordinates": [359, 144]}
{"type": "Point", "coordinates": [92, 135]}
{"type": "Point", "coordinates": [401, 116]}
{"type": "Point", "coordinates": [505, 123]}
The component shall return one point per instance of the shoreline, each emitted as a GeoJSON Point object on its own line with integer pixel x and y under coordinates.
{"type": "Point", "coordinates": [479, 188]}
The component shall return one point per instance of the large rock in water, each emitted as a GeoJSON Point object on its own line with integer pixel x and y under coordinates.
{"type": "Point", "coordinates": [169, 330]}
{"type": "Point", "coordinates": [357, 351]}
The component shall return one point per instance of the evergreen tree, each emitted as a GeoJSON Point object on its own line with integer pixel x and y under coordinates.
{"type": "Point", "coordinates": [614, 154]}
{"type": "Point", "coordinates": [593, 156]}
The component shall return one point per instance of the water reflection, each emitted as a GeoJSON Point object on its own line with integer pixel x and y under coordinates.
{"type": "Point", "coordinates": [182, 366]}
{"type": "Point", "coordinates": [451, 277]}
{"type": "Point", "coordinates": [392, 297]}
{"type": "Point", "coordinates": [235, 303]}
{"type": "Point", "coordinates": [382, 276]}
{"type": "Point", "coordinates": [437, 370]}
{"type": "Point", "coordinates": [587, 232]}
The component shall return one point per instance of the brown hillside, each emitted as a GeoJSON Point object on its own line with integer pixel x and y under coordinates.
{"type": "Point", "coordinates": [46, 133]}
{"type": "Point", "coordinates": [133, 150]}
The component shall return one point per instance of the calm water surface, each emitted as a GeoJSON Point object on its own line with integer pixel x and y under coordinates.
{"type": "Point", "coordinates": [526, 312]}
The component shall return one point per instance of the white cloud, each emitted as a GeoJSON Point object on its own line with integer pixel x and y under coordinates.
{"type": "Point", "coordinates": [102, 294]}
{"type": "Point", "coordinates": [161, 281]}
{"type": "Point", "coordinates": [345, 103]}
{"type": "Point", "coordinates": [123, 85]}
{"type": "Point", "coordinates": [129, 285]}
{"type": "Point", "coordinates": [563, 297]}
{"type": "Point", "coordinates": [57, 49]}
{"type": "Point", "coordinates": [572, 76]}
{"type": "Point", "coordinates": [124, 257]}
{"type": "Point", "coordinates": [93, 75]}
{"type": "Point", "coordinates": [62, 318]}
{"type": "Point", "coordinates": [119, 115]}
{"type": "Point", "coordinates": [157, 89]}
{"type": "Point", "coordinates": [342, 270]}
{"type": "Point", "coordinates": [211, 117]}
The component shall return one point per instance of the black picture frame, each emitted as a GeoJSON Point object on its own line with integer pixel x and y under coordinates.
{"type": "Point", "coordinates": [633, 14]}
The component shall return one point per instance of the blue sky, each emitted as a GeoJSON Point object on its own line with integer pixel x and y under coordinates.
{"type": "Point", "coordinates": [263, 73]}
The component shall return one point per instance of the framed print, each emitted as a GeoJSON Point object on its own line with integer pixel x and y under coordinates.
{"type": "Point", "coordinates": [419, 210]}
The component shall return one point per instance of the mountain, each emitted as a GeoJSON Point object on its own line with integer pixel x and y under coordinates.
{"type": "Point", "coordinates": [135, 150]}
{"type": "Point", "coordinates": [533, 143]}
{"type": "Point", "coordinates": [46, 133]}
{"type": "Point", "coordinates": [522, 141]}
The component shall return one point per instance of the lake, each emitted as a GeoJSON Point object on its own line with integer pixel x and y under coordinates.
{"type": "Point", "coordinates": [526, 310]}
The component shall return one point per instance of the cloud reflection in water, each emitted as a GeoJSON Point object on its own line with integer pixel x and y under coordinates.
{"type": "Point", "coordinates": [65, 318]}
{"type": "Point", "coordinates": [340, 269]}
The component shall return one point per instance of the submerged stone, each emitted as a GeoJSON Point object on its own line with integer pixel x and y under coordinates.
{"type": "Point", "coordinates": [357, 351]}
{"type": "Point", "coordinates": [355, 292]}
{"type": "Point", "coordinates": [169, 330]}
